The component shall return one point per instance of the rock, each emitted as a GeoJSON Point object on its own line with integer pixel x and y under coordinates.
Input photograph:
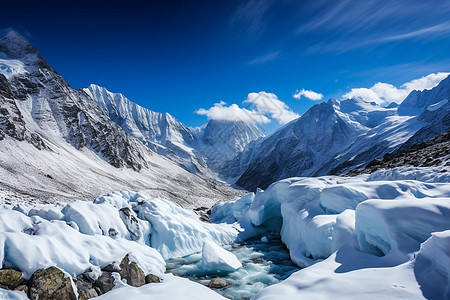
{"type": "Point", "coordinates": [150, 278]}
{"type": "Point", "coordinates": [11, 278]}
{"type": "Point", "coordinates": [105, 282]}
{"type": "Point", "coordinates": [50, 284]}
{"type": "Point", "coordinates": [85, 287]}
{"type": "Point", "coordinates": [114, 267]}
{"type": "Point", "coordinates": [205, 218]}
{"type": "Point", "coordinates": [131, 272]}
{"type": "Point", "coordinates": [217, 283]}
{"type": "Point", "coordinates": [22, 288]}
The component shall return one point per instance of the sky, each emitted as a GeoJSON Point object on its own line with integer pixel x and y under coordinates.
{"type": "Point", "coordinates": [266, 60]}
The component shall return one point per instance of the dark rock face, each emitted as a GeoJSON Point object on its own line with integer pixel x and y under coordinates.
{"type": "Point", "coordinates": [50, 284]}
{"type": "Point", "coordinates": [11, 119]}
{"type": "Point", "coordinates": [11, 278]}
{"type": "Point", "coordinates": [85, 287]}
{"type": "Point", "coordinates": [105, 282]}
{"type": "Point", "coordinates": [131, 272]}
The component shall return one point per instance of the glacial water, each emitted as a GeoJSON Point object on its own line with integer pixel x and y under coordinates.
{"type": "Point", "coordinates": [264, 264]}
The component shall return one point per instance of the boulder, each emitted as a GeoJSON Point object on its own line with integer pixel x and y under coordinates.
{"type": "Point", "coordinates": [217, 283]}
{"type": "Point", "coordinates": [150, 278]}
{"type": "Point", "coordinates": [130, 271]}
{"type": "Point", "coordinates": [85, 287]}
{"type": "Point", "coordinates": [11, 278]}
{"type": "Point", "coordinates": [114, 267]}
{"type": "Point", "coordinates": [50, 284]}
{"type": "Point", "coordinates": [105, 282]}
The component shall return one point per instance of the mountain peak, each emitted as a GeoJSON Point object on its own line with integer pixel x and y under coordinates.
{"type": "Point", "coordinates": [14, 45]}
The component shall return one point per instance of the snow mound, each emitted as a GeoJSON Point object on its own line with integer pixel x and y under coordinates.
{"type": "Point", "coordinates": [55, 243]}
{"type": "Point", "coordinates": [384, 239]}
{"type": "Point", "coordinates": [174, 231]}
{"type": "Point", "coordinates": [310, 209]}
{"type": "Point", "coordinates": [217, 259]}
{"type": "Point", "coordinates": [86, 235]}
{"type": "Point", "coordinates": [399, 226]}
{"type": "Point", "coordinates": [432, 266]}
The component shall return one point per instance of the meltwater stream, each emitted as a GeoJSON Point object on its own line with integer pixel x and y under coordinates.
{"type": "Point", "coordinates": [263, 263]}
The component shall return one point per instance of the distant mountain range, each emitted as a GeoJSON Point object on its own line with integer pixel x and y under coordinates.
{"type": "Point", "coordinates": [57, 142]}
{"type": "Point", "coordinates": [337, 136]}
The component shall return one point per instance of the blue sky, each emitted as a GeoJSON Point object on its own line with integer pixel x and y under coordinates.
{"type": "Point", "coordinates": [178, 57]}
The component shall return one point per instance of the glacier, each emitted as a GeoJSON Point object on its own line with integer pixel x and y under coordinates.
{"type": "Point", "coordinates": [377, 236]}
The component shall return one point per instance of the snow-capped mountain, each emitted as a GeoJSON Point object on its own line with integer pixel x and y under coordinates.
{"type": "Point", "coordinates": [161, 132]}
{"type": "Point", "coordinates": [221, 141]}
{"type": "Point", "coordinates": [57, 143]}
{"type": "Point", "coordinates": [198, 150]}
{"type": "Point", "coordinates": [333, 137]}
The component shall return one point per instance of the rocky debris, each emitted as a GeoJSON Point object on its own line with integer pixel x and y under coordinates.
{"type": "Point", "coordinates": [150, 278]}
{"type": "Point", "coordinates": [85, 287]}
{"type": "Point", "coordinates": [217, 283]}
{"type": "Point", "coordinates": [114, 267]}
{"type": "Point", "coordinates": [11, 278]}
{"type": "Point", "coordinates": [130, 271]}
{"type": "Point", "coordinates": [429, 153]}
{"type": "Point", "coordinates": [51, 284]}
{"type": "Point", "coordinates": [105, 282]}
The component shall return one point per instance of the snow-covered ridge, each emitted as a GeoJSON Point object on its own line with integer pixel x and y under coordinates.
{"type": "Point", "coordinates": [161, 132]}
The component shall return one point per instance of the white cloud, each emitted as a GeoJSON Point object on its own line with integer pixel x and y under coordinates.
{"type": "Point", "coordinates": [232, 113]}
{"type": "Point", "coordinates": [265, 107]}
{"type": "Point", "coordinates": [384, 93]}
{"type": "Point", "coordinates": [311, 95]}
{"type": "Point", "coordinates": [269, 104]}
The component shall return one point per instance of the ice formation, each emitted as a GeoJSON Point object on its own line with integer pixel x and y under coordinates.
{"type": "Point", "coordinates": [217, 259]}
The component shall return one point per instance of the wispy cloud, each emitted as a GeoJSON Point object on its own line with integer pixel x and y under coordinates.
{"type": "Point", "coordinates": [265, 58]}
{"type": "Point", "coordinates": [249, 17]}
{"type": "Point", "coordinates": [355, 24]}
